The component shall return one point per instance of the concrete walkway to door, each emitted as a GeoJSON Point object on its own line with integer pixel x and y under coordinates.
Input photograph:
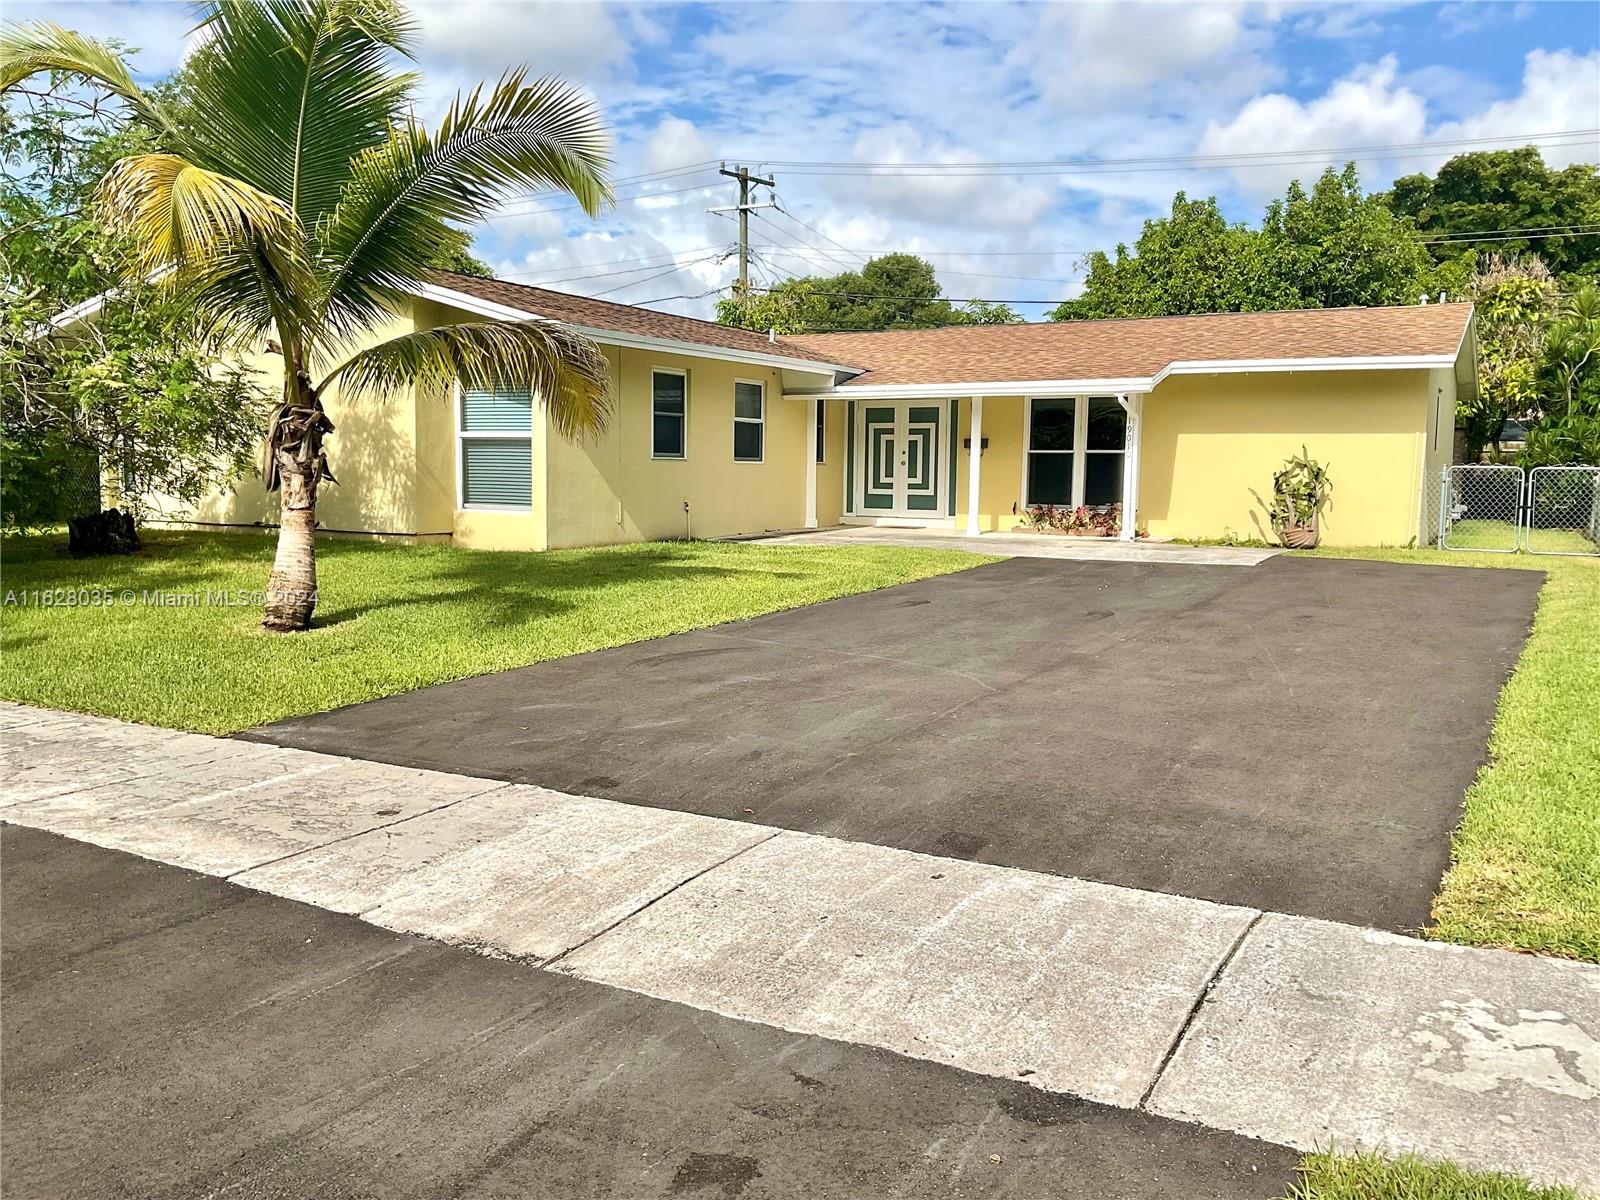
{"type": "Point", "coordinates": [1027, 545]}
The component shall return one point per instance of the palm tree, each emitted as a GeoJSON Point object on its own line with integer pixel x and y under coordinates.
{"type": "Point", "coordinates": [292, 198]}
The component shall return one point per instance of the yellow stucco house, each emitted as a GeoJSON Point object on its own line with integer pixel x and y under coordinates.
{"type": "Point", "coordinates": [719, 431]}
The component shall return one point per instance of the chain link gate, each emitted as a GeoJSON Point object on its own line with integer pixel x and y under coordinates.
{"type": "Point", "coordinates": [1480, 508]}
{"type": "Point", "coordinates": [1504, 509]}
{"type": "Point", "coordinates": [1563, 515]}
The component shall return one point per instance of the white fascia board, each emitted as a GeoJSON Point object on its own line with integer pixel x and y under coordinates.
{"type": "Point", "coordinates": [1013, 387]}
{"type": "Point", "coordinates": [1240, 366]}
{"type": "Point", "coordinates": [1079, 387]}
{"type": "Point", "coordinates": [612, 337]}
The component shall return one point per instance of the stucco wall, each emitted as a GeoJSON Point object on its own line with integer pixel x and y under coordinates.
{"type": "Point", "coordinates": [1208, 440]}
{"type": "Point", "coordinates": [1000, 470]}
{"type": "Point", "coordinates": [373, 453]}
{"type": "Point", "coordinates": [609, 489]}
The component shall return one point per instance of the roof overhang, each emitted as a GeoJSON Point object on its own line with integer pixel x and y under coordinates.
{"type": "Point", "coordinates": [611, 337]}
{"type": "Point", "coordinates": [1130, 384]}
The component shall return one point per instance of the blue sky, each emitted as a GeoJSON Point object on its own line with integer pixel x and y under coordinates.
{"type": "Point", "coordinates": [793, 84]}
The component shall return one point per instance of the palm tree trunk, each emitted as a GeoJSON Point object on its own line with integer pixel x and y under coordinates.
{"type": "Point", "coordinates": [292, 586]}
{"type": "Point", "coordinates": [295, 466]}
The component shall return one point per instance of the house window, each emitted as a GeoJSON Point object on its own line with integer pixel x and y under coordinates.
{"type": "Point", "coordinates": [669, 413]}
{"type": "Point", "coordinates": [1052, 438]}
{"type": "Point", "coordinates": [1106, 430]}
{"type": "Point", "coordinates": [822, 432]}
{"type": "Point", "coordinates": [495, 437]}
{"type": "Point", "coordinates": [1075, 451]}
{"type": "Point", "coordinates": [749, 419]}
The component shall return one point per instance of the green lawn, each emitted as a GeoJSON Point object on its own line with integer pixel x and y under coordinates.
{"type": "Point", "coordinates": [390, 618]}
{"type": "Point", "coordinates": [1376, 1177]}
{"type": "Point", "coordinates": [1525, 870]}
{"type": "Point", "coordinates": [1502, 535]}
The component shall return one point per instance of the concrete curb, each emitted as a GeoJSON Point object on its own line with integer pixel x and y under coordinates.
{"type": "Point", "coordinates": [1301, 1032]}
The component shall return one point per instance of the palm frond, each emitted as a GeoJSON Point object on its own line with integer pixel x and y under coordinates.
{"type": "Point", "coordinates": [187, 217]}
{"type": "Point", "coordinates": [392, 216]}
{"type": "Point", "coordinates": [285, 93]}
{"type": "Point", "coordinates": [29, 47]}
{"type": "Point", "coordinates": [567, 372]}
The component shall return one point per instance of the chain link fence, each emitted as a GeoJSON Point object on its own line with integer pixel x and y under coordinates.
{"type": "Point", "coordinates": [1504, 509]}
{"type": "Point", "coordinates": [1563, 510]}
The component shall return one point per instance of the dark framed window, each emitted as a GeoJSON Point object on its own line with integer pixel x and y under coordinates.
{"type": "Point", "coordinates": [822, 432]}
{"type": "Point", "coordinates": [1106, 436]}
{"type": "Point", "coordinates": [749, 420]}
{"type": "Point", "coordinates": [1052, 439]}
{"type": "Point", "coordinates": [669, 414]}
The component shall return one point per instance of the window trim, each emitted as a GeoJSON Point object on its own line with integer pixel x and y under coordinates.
{"type": "Point", "coordinates": [683, 455]}
{"type": "Point", "coordinates": [760, 421]}
{"type": "Point", "coordinates": [463, 436]}
{"type": "Point", "coordinates": [1080, 445]}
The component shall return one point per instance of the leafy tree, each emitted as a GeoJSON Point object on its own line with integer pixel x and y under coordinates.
{"type": "Point", "coordinates": [124, 399]}
{"type": "Point", "coordinates": [1192, 261]}
{"type": "Point", "coordinates": [1515, 299]}
{"type": "Point", "coordinates": [1569, 431]}
{"type": "Point", "coordinates": [1327, 248]}
{"type": "Point", "coordinates": [895, 291]}
{"type": "Point", "coordinates": [1506, 189]}
{"type": "Point", "coordinates": [290, 189]}
{"type": "Point", "coordinates": [1334, 247]}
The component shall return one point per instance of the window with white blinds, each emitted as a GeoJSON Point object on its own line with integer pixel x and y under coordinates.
{"type": "Point", "coordinates": [496, 443]}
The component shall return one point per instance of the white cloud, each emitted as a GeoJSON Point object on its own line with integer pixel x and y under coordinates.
{"type": "Point", "coordinates": [578, 41]}
{"type": "Point", "coordinates": [1369, 107]}
{"type": "Point", "coordinates": [1373, 106]}
{"type": "Point", "coordinates": [1085, 55]}
{"type": "Point", "coordinates": [675, 143]}
{"type": "Point", "coordinates": [964, 200]}
{"type": "Point", "coordinates": [1560, 90]}
{"type": "Point", "coordinates": [159, 32]}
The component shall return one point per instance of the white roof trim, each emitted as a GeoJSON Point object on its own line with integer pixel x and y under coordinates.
{"type": "Point", "coordinates": [1076, 387]}
{"type": "Point", "coordinates": [611, 337]}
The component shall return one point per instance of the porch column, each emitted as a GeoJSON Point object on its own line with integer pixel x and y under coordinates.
{"type": "Point", "coordinates": [1133, 405]}
{"type": "Point", "coordinates": [974, 470]}
{"type": "Point", "coordinates": [811, 461]}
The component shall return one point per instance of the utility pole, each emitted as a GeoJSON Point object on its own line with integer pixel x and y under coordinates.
{"type": "Point", "coordinates": [744, 207]}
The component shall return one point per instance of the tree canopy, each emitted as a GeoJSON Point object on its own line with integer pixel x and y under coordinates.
{"type": "Point", "coordinates": [1494, 190]}
{"type": "Point", "coordinates": [126, 398]}
{"type": "Point", "coordinates": [1326, 248]}
{"type": "Point", "coordinates": [894, 291]}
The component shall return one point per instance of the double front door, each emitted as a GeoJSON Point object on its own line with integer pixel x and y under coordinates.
{"type": "Point", "coordinates": [901, 468]}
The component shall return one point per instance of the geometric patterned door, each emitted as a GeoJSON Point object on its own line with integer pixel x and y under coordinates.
{"type": "Point", "coordinates": [899, 466]}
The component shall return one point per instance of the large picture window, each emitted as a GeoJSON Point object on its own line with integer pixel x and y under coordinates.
{"type": "Point", "coordinates": [495, 439]}
{"type": "Point", "coordinates": [1052, 440]}
{"type": "Point", "coordinates": [749, 420]}
{"type": "Point", "coordinates": [669, 414]}
{"type": "Point", "coordinates": [1075, 451]}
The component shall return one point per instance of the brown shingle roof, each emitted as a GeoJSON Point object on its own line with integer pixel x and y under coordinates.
{"type": "Point", "coordinates": [1136, 347]}
{"type": "Point", "coordinates": [621, 318]}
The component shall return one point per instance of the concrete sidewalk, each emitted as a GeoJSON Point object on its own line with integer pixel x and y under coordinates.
{"type": "Point", "coordinates": [1026, 545]}
{"type": "Point", "coordinates": [1292, 1030]}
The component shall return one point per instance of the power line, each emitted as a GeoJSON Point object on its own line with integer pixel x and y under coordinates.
{"type": "Point", "coordinates": [1068, 166]}
{"type": "Point", "coordinates": [644, 264]}
{"type": "Point", "coordinates": [672, 270]}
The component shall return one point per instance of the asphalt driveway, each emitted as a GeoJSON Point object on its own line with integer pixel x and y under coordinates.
{"type": "Point", "coordinates": [1294, 736]}
{"type": "Point", "coordinates": [170, 1035]}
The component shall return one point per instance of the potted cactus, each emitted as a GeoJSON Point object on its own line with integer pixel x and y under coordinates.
{"type": "Point", "coordinates": [1299, 491]}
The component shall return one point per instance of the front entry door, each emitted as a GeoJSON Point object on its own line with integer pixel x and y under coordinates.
{"type": "Point", "coordinates": [899, 464]}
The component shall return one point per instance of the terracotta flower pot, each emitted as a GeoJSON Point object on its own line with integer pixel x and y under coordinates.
{"type": "Point", "coordinates": [1300, 537]}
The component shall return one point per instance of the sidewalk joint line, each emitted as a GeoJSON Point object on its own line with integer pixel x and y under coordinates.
{"type": "Point", "coordinates": [1194, 1011]}
{"type": "Point", "coordinates": [682, 883]}
{"type": "Point", "coordinates": [272, 862]}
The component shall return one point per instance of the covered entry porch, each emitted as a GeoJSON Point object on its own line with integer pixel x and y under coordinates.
{"type": "Point", "coordinates": [909, 460]}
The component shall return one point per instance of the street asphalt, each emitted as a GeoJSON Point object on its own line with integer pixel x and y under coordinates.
{"type": "Point", "coordinates": [1294, 736]}
{"type": "Point", "coordinates": [168, 1034]}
